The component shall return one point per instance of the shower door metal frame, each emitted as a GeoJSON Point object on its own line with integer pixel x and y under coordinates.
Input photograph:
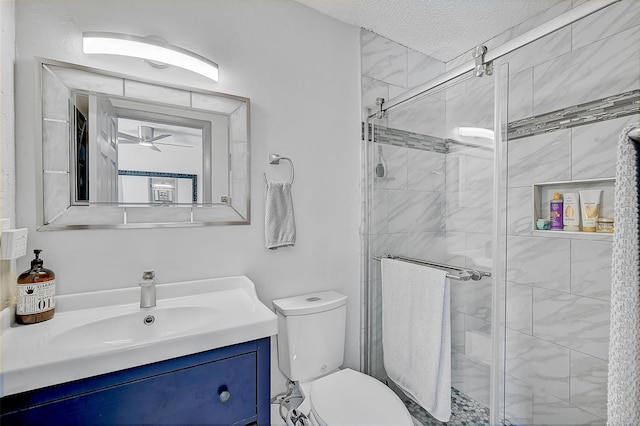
{"type": "Point", "coordinates": [497, 379]}
{"type": "Point", "coordinates": [365, 293]}
{"type": "Point", "coordinates": [567, 18]}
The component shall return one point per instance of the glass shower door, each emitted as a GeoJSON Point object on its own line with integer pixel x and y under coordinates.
{"type": "Point", "coordinates": [431, 186]}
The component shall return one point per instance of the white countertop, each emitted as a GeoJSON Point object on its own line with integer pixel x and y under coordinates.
{"type": "Point", "coordinates": [103, 331]}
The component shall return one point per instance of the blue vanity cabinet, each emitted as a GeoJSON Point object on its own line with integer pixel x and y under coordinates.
{"type": "Point", "coordinates": [226, 386]}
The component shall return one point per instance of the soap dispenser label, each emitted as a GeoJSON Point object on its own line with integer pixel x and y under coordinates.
{"type": "Point", "coordinates": [35, 298]}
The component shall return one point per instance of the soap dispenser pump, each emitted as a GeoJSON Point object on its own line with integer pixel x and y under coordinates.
{"type": "Point", "coordinates": [36, 293]}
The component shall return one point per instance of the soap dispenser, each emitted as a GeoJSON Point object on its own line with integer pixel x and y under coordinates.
{"type": "Point", "coordinates": [36, 293]}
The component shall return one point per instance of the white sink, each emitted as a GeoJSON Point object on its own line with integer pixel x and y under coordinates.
{"type": "Point", "coordinates": [100, 332]}
{"type": "Point", "coordinates": [136, 327]}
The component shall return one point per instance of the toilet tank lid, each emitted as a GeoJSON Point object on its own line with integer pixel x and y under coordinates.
{"type": "Point", "coordinates": [310, 303]}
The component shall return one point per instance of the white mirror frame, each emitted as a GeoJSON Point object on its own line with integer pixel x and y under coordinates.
{"type": "Point", "coordinates": [55, 208]}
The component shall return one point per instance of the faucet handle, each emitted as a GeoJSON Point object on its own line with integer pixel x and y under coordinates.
{"type": "Point", "coordinates": [148, 274]}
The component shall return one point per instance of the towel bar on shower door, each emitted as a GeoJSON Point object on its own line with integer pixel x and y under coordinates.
{"type": "Point", "coordinates": [275, 159]}
{"type": "Point", "coordinates": [463, 274]}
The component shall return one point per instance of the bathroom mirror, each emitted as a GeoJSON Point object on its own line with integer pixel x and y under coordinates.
{"type": "Point", "coordinates": [119, 152]}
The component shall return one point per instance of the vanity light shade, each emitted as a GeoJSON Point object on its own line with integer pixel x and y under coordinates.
{"type": "Point", "coordinates": [149, 49]}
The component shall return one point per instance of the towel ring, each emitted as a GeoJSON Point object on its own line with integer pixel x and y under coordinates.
{"type": "Point", "coordinates": [275, 159]}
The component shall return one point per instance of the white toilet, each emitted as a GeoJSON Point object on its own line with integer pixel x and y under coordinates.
{"type": "Point", "coordinates": [311, 335]}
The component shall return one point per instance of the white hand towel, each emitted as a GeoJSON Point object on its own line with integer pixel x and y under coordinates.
{"type": "Point", "coordinates": [416, 333]}
{"type": "Point", "coordinates": [623, 403]}
{"type": "Point", "coordinates": [279, 222]}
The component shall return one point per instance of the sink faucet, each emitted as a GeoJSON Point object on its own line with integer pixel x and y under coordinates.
{"type": "Point", "coordinates": [148, 290]}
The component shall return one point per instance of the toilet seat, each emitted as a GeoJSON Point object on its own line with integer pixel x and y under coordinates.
{"type": "Point", "coordinates": [348, 398]}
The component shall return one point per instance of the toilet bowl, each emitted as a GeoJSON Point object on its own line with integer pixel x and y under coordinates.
{"type": "Point", "coordinates": [332, 396]}
{"type": "Point", "coordinates": [348, 397]}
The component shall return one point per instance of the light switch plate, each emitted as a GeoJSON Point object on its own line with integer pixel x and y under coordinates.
{"type": "Point", "coordinates": [13, 243]}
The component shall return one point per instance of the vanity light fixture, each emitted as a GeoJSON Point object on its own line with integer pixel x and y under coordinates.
{"type": "Point", "coordinates": [148, 48]}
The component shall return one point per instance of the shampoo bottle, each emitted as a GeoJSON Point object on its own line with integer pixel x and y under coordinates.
{"type": "Point", "coordinates": [571, 218]}
{"type": "Point", "coordinates": [36, 291]}
{"type": "Point", "coordinates": [555, 213]}
{"type": "Point", "coordinates": [590, 206]}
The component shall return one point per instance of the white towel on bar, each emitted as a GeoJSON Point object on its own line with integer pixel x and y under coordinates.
{"type": "Point", "coordinates": [279, 222]}
{"type": "Point", "coordinates": [416, 333]}
{"type": "Point", "coordinates": [623, 403]}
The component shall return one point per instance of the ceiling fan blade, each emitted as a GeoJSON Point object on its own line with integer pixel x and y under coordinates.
{"type": "Point", "coordinates": [126, 136]}
{"type": "Point", "coordinates": [123, 140]}
{"type": "Point", "coordinates": [155, 148]}
{"type": "Point", "coordinates": [175, 144]}
{"type": "Point", "coordinates": [157, 138]}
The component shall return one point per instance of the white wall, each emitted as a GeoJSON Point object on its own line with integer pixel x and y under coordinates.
{"type": "Point", "coordinates": [301, 71]}
{"type": "Point", "coordinates": [7, 136]}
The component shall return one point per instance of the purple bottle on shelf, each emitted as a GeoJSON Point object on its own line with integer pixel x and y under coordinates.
{"type": "Point", "coordinates": [555, 213]}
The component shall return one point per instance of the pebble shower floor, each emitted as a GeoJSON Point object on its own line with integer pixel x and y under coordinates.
{"type": "Point", "coordinates": [464, 411]}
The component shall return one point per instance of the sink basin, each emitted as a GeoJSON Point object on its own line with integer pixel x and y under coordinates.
{"type": "Point", "coordinates": [150, 324]}
{"type": "Point", "coordinates": [105, 331]}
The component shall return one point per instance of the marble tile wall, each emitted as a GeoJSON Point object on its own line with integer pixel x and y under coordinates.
{"type": "Point", "coordinates": [557, 288]}
{"type": "Point", "coordinates": [407, 212]}
{"type": "Point", "coordinates": [407, 204]}
{"type": "Point", "coordinates": [557, 312]}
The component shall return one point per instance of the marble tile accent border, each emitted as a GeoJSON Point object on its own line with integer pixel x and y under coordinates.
{"type": "Point", "coordinates": [608, 108]}
{"type": "Point", "coordinates": [403, 138]}
{"type": "Point", "coordinates": [612, 107]}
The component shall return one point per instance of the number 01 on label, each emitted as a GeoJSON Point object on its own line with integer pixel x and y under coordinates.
{"type": "Point", "coordinates": [35, 298]}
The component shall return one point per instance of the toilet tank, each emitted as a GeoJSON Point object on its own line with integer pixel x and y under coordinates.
{"type": "Point", "coordinates": [311, 333]}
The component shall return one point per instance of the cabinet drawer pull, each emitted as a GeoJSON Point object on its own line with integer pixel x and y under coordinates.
{"type": "Point", "coordinates": [223, 394]}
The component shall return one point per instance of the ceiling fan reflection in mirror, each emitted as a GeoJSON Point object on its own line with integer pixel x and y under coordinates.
{"type": "Point", "coordinates": [146, 137]}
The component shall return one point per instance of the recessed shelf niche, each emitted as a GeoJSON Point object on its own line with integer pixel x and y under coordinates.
{"type": "Point", "coordinates": [543, 193]}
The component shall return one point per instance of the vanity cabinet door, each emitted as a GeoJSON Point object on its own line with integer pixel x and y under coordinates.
{"type": "Point", "coordinates": [193, 395]}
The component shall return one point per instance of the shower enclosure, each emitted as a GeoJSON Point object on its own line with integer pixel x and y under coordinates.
{"type": "Point", "coordinates": [432, 176]}
{"type": "Point", "coordinates": [459, 174]}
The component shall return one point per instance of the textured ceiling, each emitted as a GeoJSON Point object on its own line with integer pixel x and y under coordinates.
{"type": "Point", "coordinates": [442, 29]}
